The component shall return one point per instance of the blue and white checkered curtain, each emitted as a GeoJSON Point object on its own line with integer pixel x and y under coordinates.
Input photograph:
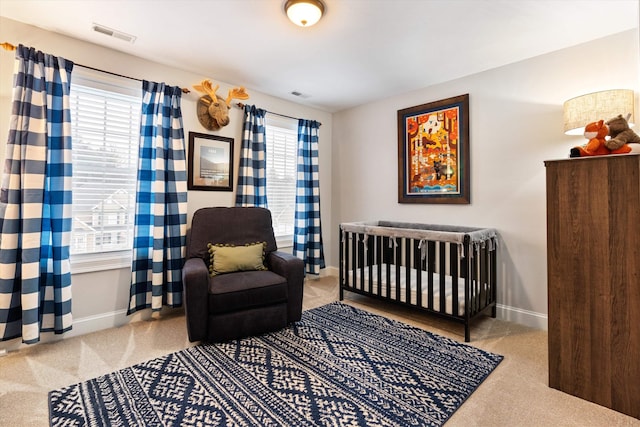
{"type": "Point", "coordinates": [307, 234]}
{"type": "Point", "coordinates": [35, 201]}
{"type": "Point", "coordinates": [159, 241]}
{"type": "Point", "coordinates": [252, 175]}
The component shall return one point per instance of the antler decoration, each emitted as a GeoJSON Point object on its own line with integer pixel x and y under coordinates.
{"type": "Point", "coordinates": [206, 87]}
{"type": "Point", "coordinates": [237, 93]}
{"type": "Point", "coordinates": [213, 111]}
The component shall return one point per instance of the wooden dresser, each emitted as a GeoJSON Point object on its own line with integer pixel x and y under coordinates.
{"type": "Point", "coordinates": [593, 260]}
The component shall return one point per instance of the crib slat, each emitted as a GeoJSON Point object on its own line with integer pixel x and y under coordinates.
{"type": "Point", "coordinates": [466, 266]}
{"type": "Point", "coordinates": [370, 261]}
{"type": "Point", "coordinates": [453, 271]}
{"type": "Point", "coordinates": [397, 261]}
{"type": "Point", "coordinates": [378, 258]}
{"type": "Point", "coordinates": [475, 279]}
{"type": "Point", "coordinates": [484, 267]}
{"type": "Point", "coordinates": [493, 281]}
{"type": "Point", "coordinates": [442, 253]}
{"type": "Point", "coordinates": [362, 261]}
{"type": "Point", "coordinates": [472, 280]}
{"type": "Point", "coordinates": [417, 265]}
{"type": "Point", "coordinates": [341, 275]}
{"type": "Point", "coordinates": [407, 270]}
{"type": "Point", "coordinates": [387, 261]}
{"type": "Point", "coordinates": [431, 266]}
{"type": "Point", "coordinates": [348, 258]}
{"type": "Point", "coordinates": [354, 258]}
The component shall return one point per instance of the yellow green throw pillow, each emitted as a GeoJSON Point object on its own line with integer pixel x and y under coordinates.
{"type": "Point", "coordinates": [230, 258]}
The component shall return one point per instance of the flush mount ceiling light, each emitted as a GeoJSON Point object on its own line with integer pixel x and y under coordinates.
{"type": "Point", "coordinates": [304, 13]}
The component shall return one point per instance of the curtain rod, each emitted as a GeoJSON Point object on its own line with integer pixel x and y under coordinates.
{"type": "Point", "coordinates": [241, 105]}
{"type": "Point", "coordinates": [10, 47]}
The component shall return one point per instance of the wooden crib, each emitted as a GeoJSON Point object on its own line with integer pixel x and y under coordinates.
{"type": "Point", "coordinates": [449, 271]}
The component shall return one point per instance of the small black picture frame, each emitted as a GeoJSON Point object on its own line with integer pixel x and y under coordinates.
{"type": "Point", "coordinates": [210, 165]}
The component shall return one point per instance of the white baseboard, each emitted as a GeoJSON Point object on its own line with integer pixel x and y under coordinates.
{"type": "Point", "coordinates": [98, 322]}
{"type": "Point", "coordinates": [522, 317]}
{"type": "Point", "coordinates": [329, 271]}
{"type": "Point", "coordinates": [82, 326]}
{"type": "Point", "coordinates": [112, 319]}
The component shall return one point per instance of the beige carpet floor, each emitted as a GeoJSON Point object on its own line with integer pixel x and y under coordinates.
{"type": "Point", "coordinates": [515, 394]}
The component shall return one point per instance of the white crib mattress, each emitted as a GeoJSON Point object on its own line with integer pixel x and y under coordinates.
{"type": "Point", "coordinates": [413, 285]}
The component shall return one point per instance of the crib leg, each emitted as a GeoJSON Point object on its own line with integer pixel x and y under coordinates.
{"type": "Point", "coordinates": [467, 332]}
{"type": "Point", "coordinates": [494, 311]}
{"type": "Point", "coordinates": [341, 293]}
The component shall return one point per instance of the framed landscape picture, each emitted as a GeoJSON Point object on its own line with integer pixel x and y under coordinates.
{"type": "Point", "coordinates": [210, 165]}
{"type": "Point", "coordinates": [433, 152]}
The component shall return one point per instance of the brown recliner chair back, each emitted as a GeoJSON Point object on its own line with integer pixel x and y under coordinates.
{"type": "Point", "coordinates": [236, 226]}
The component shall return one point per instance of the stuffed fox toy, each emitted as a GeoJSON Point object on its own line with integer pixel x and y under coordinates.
{"type": "Point", "coordinates": [595, 132]}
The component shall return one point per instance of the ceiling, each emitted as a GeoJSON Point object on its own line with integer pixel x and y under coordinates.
{"type": "Point", "coordinates": [361, 50]}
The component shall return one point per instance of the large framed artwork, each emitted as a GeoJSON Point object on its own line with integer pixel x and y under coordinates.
{"type": "Point", "coordinates": [433, 152]}
{"type": "Point", "coordinates": [210, 164]}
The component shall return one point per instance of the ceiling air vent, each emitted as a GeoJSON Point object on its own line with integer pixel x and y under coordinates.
{"type": "Point", "coordinates": [300, 94]}
{"type": "Point", "coordinates": [113, 33]}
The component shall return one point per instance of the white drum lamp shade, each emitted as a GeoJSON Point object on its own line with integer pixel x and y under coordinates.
{"type": "Point", "coordinates": [604, 105]}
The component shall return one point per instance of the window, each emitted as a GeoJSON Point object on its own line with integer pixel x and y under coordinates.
{"type": "Point", "coordinates": [105, 122]}
{"type": "Point", "coordinates": [282, 138]}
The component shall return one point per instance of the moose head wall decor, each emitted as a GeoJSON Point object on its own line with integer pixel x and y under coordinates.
{"type": "Point", "coordinates": [213, 110]}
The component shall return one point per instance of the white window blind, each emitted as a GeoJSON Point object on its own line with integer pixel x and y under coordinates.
{"type": "Point", "coordinates": [105, 122]}
{"type": "Point", "coordinates": [282, 137]}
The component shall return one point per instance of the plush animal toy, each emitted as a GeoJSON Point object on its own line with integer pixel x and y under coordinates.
{"type": "Point", "coordinates": [595, 132]}
{"type": "Point", "coordinates": [620, 135]}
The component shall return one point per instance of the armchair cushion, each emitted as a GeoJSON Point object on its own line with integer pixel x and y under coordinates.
{"type": "Point", "coordinates": [245, 290]}
{"type": "Point", "coordinates": [226, 258]}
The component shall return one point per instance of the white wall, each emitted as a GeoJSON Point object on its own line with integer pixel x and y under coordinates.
{"type": "Point", "coordinates": [100, 299]}
{"type": "Point", "coordinates": [515, 125]}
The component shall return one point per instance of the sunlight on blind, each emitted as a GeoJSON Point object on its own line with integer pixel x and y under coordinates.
{"type": "Point", "coordinates": [282, 135]}
{"type": "Point", "coordinates": [105, 131]}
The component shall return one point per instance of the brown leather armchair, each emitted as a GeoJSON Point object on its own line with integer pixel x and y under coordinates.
{"type": "Point", "coordinates": [242, 303]}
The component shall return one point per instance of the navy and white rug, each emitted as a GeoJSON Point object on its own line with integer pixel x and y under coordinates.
{"type": "Point", "coordinates": [338, 366]}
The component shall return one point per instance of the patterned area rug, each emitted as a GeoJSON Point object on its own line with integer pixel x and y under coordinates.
{"type": "Point", "coordinates": [338, 366]}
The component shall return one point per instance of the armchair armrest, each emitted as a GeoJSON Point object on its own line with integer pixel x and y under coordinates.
{"type": "Point", "coordinates": [292, 269]}
{"type": "Point", "coordinates": [195, 279]}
